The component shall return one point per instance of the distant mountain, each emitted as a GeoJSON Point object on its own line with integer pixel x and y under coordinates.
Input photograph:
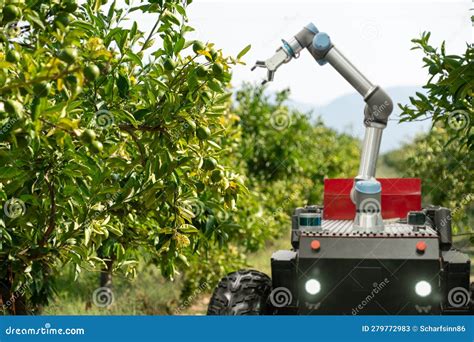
{"type": "Point", "coordinates": [345, 114]}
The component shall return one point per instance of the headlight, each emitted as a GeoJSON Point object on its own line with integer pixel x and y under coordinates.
{"type": "Point", "coordinates": [423, 288]}
{"type": "Point", "coordinates": [312, 286]}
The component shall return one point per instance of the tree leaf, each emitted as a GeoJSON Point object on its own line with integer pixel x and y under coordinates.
{"type": "Point", "coordinates": [244, 51]}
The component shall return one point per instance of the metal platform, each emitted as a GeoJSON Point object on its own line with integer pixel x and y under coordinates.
{"type": "Point", "coordinates": [393, 229]}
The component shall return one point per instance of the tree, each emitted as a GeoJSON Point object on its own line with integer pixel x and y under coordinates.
{"type": "Point", "coordinates": [107, 140]}
{"type": "Point", "coordinates": [284, 157]}
{"type": "Point", "coordinates": [443, 158]}
{"type": "Point", "coordinates": [449, 100]}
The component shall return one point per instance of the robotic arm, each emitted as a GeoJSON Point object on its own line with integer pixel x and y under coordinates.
{"type": "Point", "coordinates": [377, 110]}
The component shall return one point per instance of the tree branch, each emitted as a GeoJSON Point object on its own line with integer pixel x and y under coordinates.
{"type": "Point", "coordinates": [135, 139]}
{"type": "Point", "coordinates": [52, 212]}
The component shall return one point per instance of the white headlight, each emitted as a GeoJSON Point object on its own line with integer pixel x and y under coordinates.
{"type": "Point", "coordinates": [312, 286]}
{"type": "Point", "coordinates": [423, 288]}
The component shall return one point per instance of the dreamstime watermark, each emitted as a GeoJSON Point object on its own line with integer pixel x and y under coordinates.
{"type": "Point", "coordinates": [12, 30]}
{"type": "Point", "coordinates": [46, 330]}
{"type": "Point", "coordinates": [280, 120]}
{"type": "Point", "coordinates": [103, 297]}
{"type": "Point", "coordinates": [8, 126]}
{"type": "Point", "coordinates": [369, 29]}
{"type": "Point", "coordinates": [189, 300]}
{"type": "Point", "coordinates": [287, 201]}
{"type": "Point", "coordinates": [378, 287]}
{"type": "Point", "coordinates": [376, 111]}
{"type": "Point", "coordinates": [196, 207]}
{"type": "Point", "coordinates": [281, 297]}
{"type": "Point", "coordinates": [458, 120]}
{"type": "Point", "coordinates": [370, 205]}
{"type": "Point", "coordinates": [14, 208]}
{"type": "Point", "coordinates": [103, 118]}
{"type": "Point", "coordinates": [18, 294]}
{"type": "Point", "coordinates": [466, 200]}
{"type": "Point", "coordinates": [459, 297]}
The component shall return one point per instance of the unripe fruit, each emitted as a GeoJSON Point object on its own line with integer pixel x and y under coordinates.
{"type": "Point", "coordinates": [201, 71]}
{"type": "Point", "coordinates": [96, 146]}
{"type": "Point", "coordinates": [217, 69]}
{"type": "Point", "coordinates": [13, 107]}
{"type": "Point", "coordinates": [198, 46]}
{"type": "Point", "coordinates": [92, 72]}
{"type": "Point", "coordinates": [11, 13]}
{"type": "Point", "coordinates": [169, 64]}
{"type": "Point", "coordinates": [217, 175]}
{"type": "Point", "coordinates": [203, 133]}
{"type": "Point", "coordinates": [42, 89]}
{"type": "Point", "coordinates": [209, 164]}
{"type": "Point", "coordinates": [68, 55]}
{"type": "Point", "coordinates": [200, 187]}
{"type": "Point", "coordinates": [13, 56]}
{"type": "Point", "coordinates": [213, 54]}
{"type": "Point", "coordinates": [63, 18]}
{"type": "Point", "coordinates": [70, 6]}
{"type": "Point", "coordinates": [88, 136]}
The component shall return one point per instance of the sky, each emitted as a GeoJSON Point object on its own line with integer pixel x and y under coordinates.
{"type": "Point", "coordinates": [374, 35]}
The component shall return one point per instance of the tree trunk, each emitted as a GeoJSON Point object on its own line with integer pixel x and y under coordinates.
{"type": "Point", "coordinates": [13, 302]}
{"type": "Point", "coordinates": [106, 274]}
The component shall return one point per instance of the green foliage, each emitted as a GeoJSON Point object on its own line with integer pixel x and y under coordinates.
{"type": "Point", "coordinates": [450, 91]}
{"type": "Point", "coordinates": [285, 158]}
{"type": "Point", "coordinates": [443, 158]}
{"type": "Point", "coordinates": [446, 171]}
{"type": "Point", "coordinates": [100, 155]}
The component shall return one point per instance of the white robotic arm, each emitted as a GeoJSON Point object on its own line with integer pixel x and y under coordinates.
{"type": "Point", "coordinates": [377, 110]}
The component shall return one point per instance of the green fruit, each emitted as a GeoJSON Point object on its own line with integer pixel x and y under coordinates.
{"type": "Point", "coordinates": [96, 146]}
{"type": "Point", "coordinates": [42, 89]}
{"type": "Point", "coordinates": [200, 187]}
{"type": "Point", "coordinates": [217, 175]}
{"type": "Point", "coordinates": [70, 5]}
{"type": "Point", "coordinates": [433, 69]}
{"type": "Point", "coordinates": [68, 55]}
{"type": "Point", "coordinates": [217, 69]}
{"type": "Point", "coordinates": [63, 18]}
{"type": "Point", "coordinates": [203, 133]}
{"type": "Point", "coordinates": [88, 136]}
{"type": "Point", "coordinates": [92, 72]}
{"type": "Point", "coordinates": [209, 164]}
{"type": "Point", "coordinates": [11, 13]}
{"type": "Point", "coordinates": [13, 56]}
{"type": "Point", "coordinates": [201, 71]}
{"type": "Point", "coordinates": [198, 46]}
{"type": "Point", "coordinates": [213, 54]}
{"type": "Point", "coordinates": [13, 107]}
{"type": "Point", "coordinates": [169, 64]}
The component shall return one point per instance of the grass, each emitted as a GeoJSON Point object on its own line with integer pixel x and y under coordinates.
{"type": "Point", "coordinates": [148, 294]}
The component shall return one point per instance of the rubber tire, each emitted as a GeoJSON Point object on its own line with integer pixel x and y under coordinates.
{"type": "Point", "coordinates": [244, 292]}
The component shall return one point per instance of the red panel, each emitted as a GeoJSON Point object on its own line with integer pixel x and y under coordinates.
{"type": "Point", "coordinates": [399, 196]}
